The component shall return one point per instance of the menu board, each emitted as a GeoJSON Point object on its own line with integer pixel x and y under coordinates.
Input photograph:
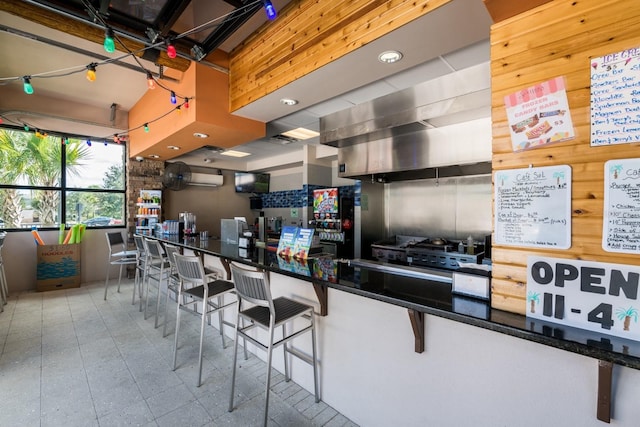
{"type": "Point", "coordinates": [539, 115]}
{"type": "Point", "coordinates": [615, 104]}
{"type": "Point", "coordinates": [533, 207]}
{"type": "Point", "coordinates": [621, 218]}
{"type": "Point", "coordinates": [295, 242]}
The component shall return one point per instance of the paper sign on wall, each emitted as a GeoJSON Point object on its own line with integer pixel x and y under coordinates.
{"type": "Point", "coordinates": [621, 217]}
{"type": "Point", "coordinates": [600, 297]}
{"type": "Point", "coordinates": [615, 100]}
{"type": "Point", "coordinates": [533, 207]}
{"type": "Point", "coordinates": [539, 115]}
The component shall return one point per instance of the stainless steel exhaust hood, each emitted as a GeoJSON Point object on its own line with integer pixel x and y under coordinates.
{"type": "Point", "coordinates": [443, 123]}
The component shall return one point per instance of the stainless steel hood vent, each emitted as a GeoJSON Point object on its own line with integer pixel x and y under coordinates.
{"type": "Point", "coordinates": [440, 123]}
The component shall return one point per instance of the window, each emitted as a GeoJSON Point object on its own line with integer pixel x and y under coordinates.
{"type": "Point", "coordinates": [48, 179]}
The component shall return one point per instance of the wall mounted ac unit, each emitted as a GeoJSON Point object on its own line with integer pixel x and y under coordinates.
{"type": "Point", "coordinates": [206, 179]}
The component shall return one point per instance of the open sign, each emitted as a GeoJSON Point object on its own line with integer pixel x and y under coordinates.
{"type": "Point", "coordinates": [600, 297]}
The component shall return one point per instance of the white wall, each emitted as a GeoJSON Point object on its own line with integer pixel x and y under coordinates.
{"type": "Point", "coordinates": [467, 376]}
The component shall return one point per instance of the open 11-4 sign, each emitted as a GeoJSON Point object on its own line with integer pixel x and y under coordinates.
{"type": "Point", "coordinates": [600, 297]}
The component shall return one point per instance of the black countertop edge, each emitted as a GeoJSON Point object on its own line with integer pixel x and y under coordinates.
{"type": "Point", "coordinates": [582, 342]}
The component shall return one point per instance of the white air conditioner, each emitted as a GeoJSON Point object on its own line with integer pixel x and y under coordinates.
{"type": "Point", "coordinates": [206, 179]}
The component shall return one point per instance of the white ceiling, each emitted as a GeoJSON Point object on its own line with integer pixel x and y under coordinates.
{"type": "Point", "coordinates": [451, 38]}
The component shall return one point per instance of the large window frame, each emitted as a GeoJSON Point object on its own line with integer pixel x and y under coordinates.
{"type": "Point", "coordinates": [64, 189]}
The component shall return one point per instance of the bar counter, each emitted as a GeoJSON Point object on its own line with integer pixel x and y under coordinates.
{"type": "Point", "coordinates": [420, 296]}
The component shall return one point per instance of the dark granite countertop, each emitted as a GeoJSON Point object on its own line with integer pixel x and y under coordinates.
{"type": "Point", "coordinates": [427, 296]}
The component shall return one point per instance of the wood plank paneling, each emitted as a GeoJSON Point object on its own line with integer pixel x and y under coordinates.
{"type": "Point", "coordinates": [558, 39]}
{"type": "Point", "coordinates": [309, 34]}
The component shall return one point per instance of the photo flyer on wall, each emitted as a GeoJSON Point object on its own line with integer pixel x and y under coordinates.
{"type": "Point", "coordinates": [621, 216]}
{"type": "Point", "coordinates": [615, 104]}
{"type": "Point", "coordinates": [539, 115]}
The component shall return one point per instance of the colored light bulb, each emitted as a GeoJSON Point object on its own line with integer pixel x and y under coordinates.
{"type": "Point", "coordinates": [270, 10]}
{"type": "Point", "coordinates": [151, 83]}
{"type": "Point", "coordinates": [146, 127]}
{"type": "Point", "coordinates": [186, 103]}
{"type": "Point", "coordinates": [89, 142]}
{"type": "Point", "coordinates": [91, 72]}
{"type": "Point", "coordinates": [109, 44]}
{"type": "Point", "coordinates": [173, 97]}
{"type": "Point", "coordinates": [26, 85]}
{"type": "Point", "coordinates": [171, 51]}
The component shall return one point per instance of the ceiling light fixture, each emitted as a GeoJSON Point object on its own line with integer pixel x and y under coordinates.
{"type": "Point", "coordinates": [301, 133]}
{"type": "Point", "coordinates": [234, 153]}
{"type": "Point", "coordinates": [154, 156]}
{"type": "Point", "coordinates": [390, 56]}
{"type": "Point", "coordinates": [173, 147]}
{"type": "Point", "coordinates": [200, 135]}
{"type": "Point", "coordinates": [288, 101]}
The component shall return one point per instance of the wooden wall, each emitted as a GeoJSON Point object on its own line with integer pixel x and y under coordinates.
{"type": "Point", "coordinates": [309, 34]}
{"type": "Point", "coordinates": [558, 39]}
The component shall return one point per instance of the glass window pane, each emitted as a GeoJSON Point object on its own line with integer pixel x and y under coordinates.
{"type": "Point", "coordinates": [95, 209]}
{"type": "Point", "coordinates": [29, 158]}
{"type": "Point", "coordinates": [95, 166]}
{"type": "Point", "coordinates": [26, 208]}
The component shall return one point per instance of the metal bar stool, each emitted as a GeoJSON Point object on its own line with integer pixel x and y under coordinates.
{"type": "Point", "coordinates": [173, 284]}
{"type": "Point", "coordinates": [210, 293]}
{"type": "Point", "coordinates": [158, 269]}
{"type": "Point", "coordinates": [141, 269]}
{"type": "Point", "coordinates": [267, 313]}
{"type": "Point", "coordinates": [118, 255]}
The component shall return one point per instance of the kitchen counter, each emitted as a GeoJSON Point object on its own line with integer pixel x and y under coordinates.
{"type": "Point", "coordinates": [422, 296]}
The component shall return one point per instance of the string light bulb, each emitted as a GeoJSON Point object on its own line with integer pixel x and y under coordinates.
{"type": "Point", "coordinates": [173, 98]}
{"type": "Point", "coordinates": [171, 50]}
{"type": "Point", "coordinates": [269, 9]}
{"type": "Point", "coordinates": [109, 44]}
{"type": "Point", "coordinates": [151, 83]}
{"type": "Point", "coordinates": [186, 103]}
{"type": "Point", "coordinates": [91, 72]}
{"type": "Point", "coordinates": [26, 128]}
{"type": "Point", "coordinates": [89, 142]}
{"type": "Point", "coordinates": [26, 85]}
{"type": "Point", "coordinates": [146, 127]}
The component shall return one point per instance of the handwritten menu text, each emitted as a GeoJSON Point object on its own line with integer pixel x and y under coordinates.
{"type": "Point", "coordinates": [621, 222]}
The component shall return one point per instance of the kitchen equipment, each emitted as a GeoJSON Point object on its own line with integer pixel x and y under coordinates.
{"type": "Point", "coordinates": [436, 252]}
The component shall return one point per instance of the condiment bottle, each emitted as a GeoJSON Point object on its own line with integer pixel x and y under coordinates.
{"type": "Point", "coordinates": [470, 248]}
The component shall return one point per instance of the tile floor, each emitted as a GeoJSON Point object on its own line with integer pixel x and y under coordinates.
{"type": "Point", "coordinates": [69, 358]}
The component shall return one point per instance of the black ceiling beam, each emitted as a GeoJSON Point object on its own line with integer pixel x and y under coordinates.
{"type": "Point", "coordinates": [230, 24]}
{"type": "Point", "coordinates": [169, 15]}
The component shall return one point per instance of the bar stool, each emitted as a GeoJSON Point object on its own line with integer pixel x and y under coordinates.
{"type": "Point", "coordinates": [267, 313]}
{"type": "Point", "coordinates": [4, 287]}
{"type": "Point", "coordinates": [158, 268]}
{"type": "Point", "coordinates": [141, 269]}
{"type": "Point", "coordinates": [210, 293]}
{"type": "Point", "coordinates": [118, 255]}
{"type": "Point", "coordinates": [173, 283]}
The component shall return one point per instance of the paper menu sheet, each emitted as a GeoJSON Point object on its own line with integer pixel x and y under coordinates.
{"type": "Point", "coordinates": [621, 217]}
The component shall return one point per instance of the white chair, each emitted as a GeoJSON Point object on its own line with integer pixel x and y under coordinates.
{"type": "Point", "coordinates": [4, 287]}
{"type": "Point", "coordinates": [209, 293]}
{"type": "Point", "coordinates": [118, 255]}
{"type": "Point", "coordinates": [157, 269]}
{"type": "Point", "coordinates": [252, 287]}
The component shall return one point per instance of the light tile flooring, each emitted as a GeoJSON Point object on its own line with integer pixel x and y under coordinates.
{"type": "Point", "coordinates": [69, 358]}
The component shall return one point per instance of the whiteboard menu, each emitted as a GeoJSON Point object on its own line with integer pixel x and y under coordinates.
{"type": "Point", "coordinates": [533, 207]}
{"type": "Point", "coordinates": [621, 221]}
{"type": "Point", "coordinates": [615, 104]}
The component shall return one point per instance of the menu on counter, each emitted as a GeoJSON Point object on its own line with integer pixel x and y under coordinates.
{"type": "Point", "coordinates": [615, 100]}
{"type": "Point", "coordinates": [621, 218]}
{"type": "Point", "coordinates": [295, 242]}
{"type": "Point", "coordinates": [539, 115]}
{"type": "Point", "coordinates": [533, 207]}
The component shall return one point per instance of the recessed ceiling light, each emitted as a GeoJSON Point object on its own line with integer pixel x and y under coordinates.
{"type": "Point", "coordinates": [288, 101]}
{"type": "Point", "coordinates": [301, 133]}
{"type": "Point", "coordinates": [173, 147]}
{"type": "Point", "coordinates": [154, 156]}
{"type": "Point", "coordinates": [200, 135]}
{"type": "Point", "coordinates": [390, 56]}
{"type": "Point", "coordinates": [234, 153]}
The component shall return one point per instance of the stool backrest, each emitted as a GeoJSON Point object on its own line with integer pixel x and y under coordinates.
{"type": "Point", "coordinates": [115, 242]}
{"type": "Point", "coordinates": [189, 268]}
{"type": "Point", "coordinates": [171, 250]}
{"type": "Point", "coordinates": [139, 244]}
{"type": "Point", "coordinates": [252, 285]}
{"type": "Point", "coordinates": [154, 248]}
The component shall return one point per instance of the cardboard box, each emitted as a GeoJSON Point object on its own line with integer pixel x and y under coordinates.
{"type": "Point", "coordinates": [58, 267]}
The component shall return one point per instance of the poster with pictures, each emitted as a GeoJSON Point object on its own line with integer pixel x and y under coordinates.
{"type": "Point", "coordinates": [539, 115]}
{"type": "Point", "coordinates": [615, 104]}
{"type": "Point", "coordinates": [287, 242]}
